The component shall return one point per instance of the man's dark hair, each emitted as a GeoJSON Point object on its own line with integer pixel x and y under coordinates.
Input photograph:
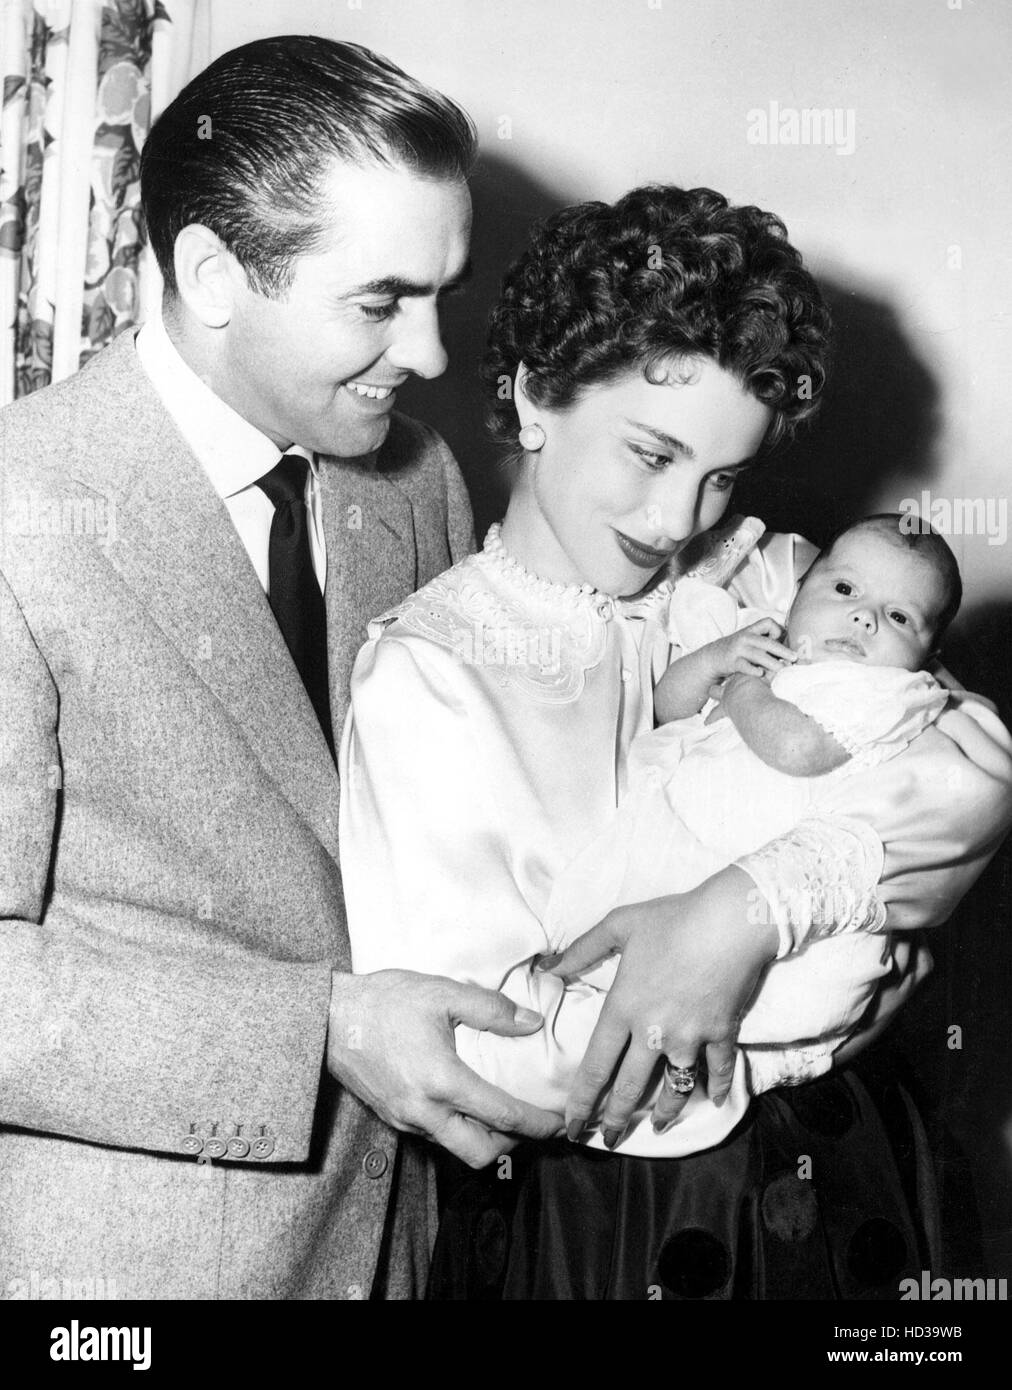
{"type": "Point", "coordinates": [245, 147]}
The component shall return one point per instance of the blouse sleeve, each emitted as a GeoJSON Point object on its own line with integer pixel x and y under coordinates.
{"type": "Point", "coordinates": [421, 855]}
{"type": "Point", "coordinates": [768, 577]}
{"type": "Point", "coordinates": [939, 809]}
{"type": "Point", "coordinates": [873, 712]}
{"type": "Point", "coordinates": [700, 613]}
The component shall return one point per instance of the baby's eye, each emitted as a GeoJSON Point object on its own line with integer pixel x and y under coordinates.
{"type": "Point", "coordinates": [842, 587]}
{"type": "Point", "coordinates": [900, 618]}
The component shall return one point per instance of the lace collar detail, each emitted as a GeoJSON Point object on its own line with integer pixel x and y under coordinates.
{"type": "Point", "coordinates": [713, 557]}
{"type": "Point", "coordinates": [535, 634]}
{"type": "Point", "coordinates": [495, 556]}
{"type": "Point", "coordinates": [547, 593]}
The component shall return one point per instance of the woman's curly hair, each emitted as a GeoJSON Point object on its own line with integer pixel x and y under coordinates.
{"type": "Point", "coordinates": [663, 273]}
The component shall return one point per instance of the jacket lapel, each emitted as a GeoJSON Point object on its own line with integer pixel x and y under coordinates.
{"type": "Point", "coordinates": [177, 550]}
{"type": "Point", "coordinates": [370, 537]}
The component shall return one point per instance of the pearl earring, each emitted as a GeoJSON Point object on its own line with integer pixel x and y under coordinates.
{"type": "Point", "coordinates": [532, 438]}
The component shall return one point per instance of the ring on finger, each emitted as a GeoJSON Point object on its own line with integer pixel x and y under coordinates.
{"type": "Point", "coordinates": [680, 1080]}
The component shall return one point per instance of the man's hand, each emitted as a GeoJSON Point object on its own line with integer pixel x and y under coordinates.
{"type": "Point", "coordinates": [689, 967]}
{"type": "Point", "coordinates": [390, 1040]}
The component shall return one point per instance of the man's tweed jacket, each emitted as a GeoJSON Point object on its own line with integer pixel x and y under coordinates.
{"type": "Point", "coordinates": [170, 898]}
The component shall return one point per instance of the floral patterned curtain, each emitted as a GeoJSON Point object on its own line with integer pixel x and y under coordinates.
{"type": "Point", "coordinates": [80, 78]}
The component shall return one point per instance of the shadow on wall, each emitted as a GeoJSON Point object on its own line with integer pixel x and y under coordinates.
{"type": "Point", "coordinates": [973, 983]}
{"type": "Point", "coordinates": [878, 422]}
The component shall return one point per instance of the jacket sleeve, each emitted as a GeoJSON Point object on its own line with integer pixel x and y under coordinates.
{"type": "Point", "coordinates": [106, 1038]}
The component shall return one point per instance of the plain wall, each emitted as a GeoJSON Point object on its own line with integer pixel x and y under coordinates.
{"type": "Point", "coordinates": [909, 236]}
{"type": "Point", "coordinates": [604, 94]}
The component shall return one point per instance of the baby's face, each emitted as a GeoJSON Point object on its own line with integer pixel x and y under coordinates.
{"type": "Point", "coordinates": [868, 600]}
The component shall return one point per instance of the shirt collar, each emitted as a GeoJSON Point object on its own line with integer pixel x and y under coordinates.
{"type": "Point", "coordinates": [233, 453]}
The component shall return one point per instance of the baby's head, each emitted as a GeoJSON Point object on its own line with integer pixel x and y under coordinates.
{"type": "Point", "coordinates": [883, 591]}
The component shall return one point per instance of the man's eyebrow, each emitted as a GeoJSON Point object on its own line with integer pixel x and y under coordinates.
{"type": "Point", "coordinates": [399, 287]}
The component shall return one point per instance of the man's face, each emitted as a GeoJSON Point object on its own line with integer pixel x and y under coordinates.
{"type": "Point", "coordinates": [320, 366]}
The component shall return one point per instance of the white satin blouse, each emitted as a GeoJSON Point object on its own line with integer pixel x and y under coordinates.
{"type": "Point", "coordinates": [491, 717]}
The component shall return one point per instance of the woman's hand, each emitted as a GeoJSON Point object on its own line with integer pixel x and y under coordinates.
{"type": "Point", "coordinates": [690, 964]}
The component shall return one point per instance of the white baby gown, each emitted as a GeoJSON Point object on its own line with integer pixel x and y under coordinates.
{"type": "Point", "coordinates": [698, 799]}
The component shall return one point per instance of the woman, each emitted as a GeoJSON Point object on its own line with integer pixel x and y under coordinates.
{"type": "Point", "coordinates": [648, 352]}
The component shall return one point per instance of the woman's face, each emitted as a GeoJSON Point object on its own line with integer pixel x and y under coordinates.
{"type": "Point", "coordinates": [630, 472]}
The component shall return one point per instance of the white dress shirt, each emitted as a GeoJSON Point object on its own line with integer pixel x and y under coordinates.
{"type": "Point", "coordinates": [233, 453]}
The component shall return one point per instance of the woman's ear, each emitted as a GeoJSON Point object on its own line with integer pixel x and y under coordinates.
{"type": "Point", "coordinates": [526, 411]}
{"type": "Point", "coordinates": [205, 270]}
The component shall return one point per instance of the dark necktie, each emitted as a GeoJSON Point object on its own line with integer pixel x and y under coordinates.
{"type": "Point", "coordinates": [295, 597]}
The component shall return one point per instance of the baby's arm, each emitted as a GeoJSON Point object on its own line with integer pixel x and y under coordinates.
{"type": "Point", "coordinates": [776, 731]}
{"type": "Point", "coordinates": [684, 688]}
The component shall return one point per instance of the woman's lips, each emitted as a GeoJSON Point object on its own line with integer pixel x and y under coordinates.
{"type": "Point", "coordinates": [646, 557]}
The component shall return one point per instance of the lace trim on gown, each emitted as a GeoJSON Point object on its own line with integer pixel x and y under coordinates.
{"type": "Point", "coordinates": [820, 879]}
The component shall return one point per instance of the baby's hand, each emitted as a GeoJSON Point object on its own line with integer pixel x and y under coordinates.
{"type": "Point", "coordinates": [753, 651]}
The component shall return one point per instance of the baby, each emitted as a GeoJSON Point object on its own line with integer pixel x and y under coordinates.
{"type": "Point", "coordinates": [754, 723]}
{"type": "Point", "coordinates": [878, 596]}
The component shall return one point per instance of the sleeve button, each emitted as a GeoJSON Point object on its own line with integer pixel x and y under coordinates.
{"type": "Point", "coordinates": [238, 1147]}
{"type": "Point", "coordinates": [374, 1165]}
{"type": "Point", "coordinates": [191, 1144]}
{"type": "Point", "coordinates": [215, 1148]}
{"type": "Point", "coordinates": [262, 1147]}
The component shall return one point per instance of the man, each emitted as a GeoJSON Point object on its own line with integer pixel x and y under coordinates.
{"type": "Point", "coordinates": [197, 528]}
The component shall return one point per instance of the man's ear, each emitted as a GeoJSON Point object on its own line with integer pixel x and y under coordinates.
{"type": "Point", "coordinates": [206, 274]}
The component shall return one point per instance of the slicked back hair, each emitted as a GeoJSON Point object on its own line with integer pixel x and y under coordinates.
{"type": "Point", "coordinates": [245, 147]}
